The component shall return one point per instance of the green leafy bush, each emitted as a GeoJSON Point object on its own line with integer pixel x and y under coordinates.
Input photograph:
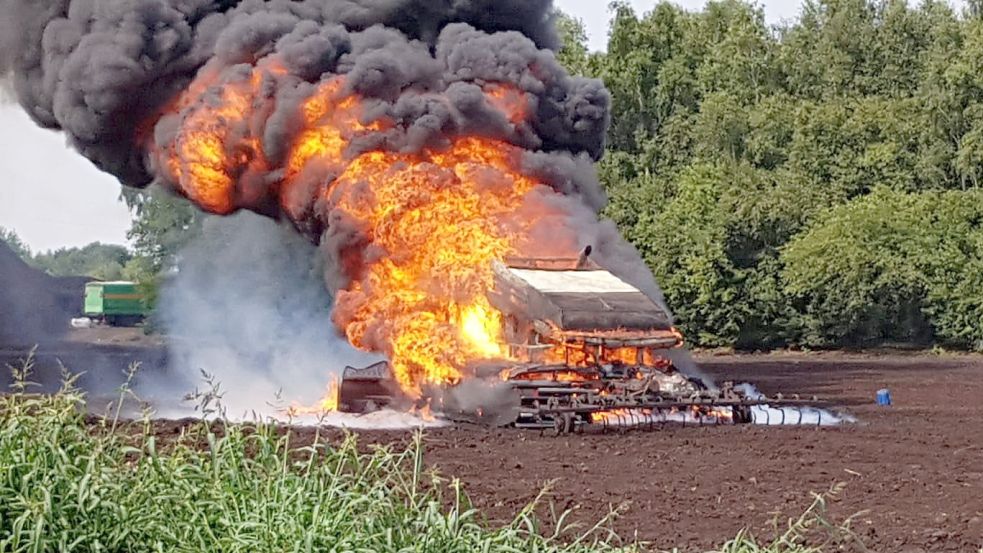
{"type": "Point", "coordinates": [784, 126]}
{"type": "Point", "coordinates": [891, 266]}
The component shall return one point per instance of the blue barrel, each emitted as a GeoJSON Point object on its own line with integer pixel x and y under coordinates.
{"type": "Point", "coordinates": [883, 396]}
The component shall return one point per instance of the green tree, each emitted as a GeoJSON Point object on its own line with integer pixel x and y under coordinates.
{"type": "Point", "coordinates": [573, 53]}
{"type": "Point", "coordinates": [739, 53]}
{"type": "Point", "coordinates": [139, 269]}
{"type": "Point", "coordinates": [685, 245]}
{"type": "Point", "coordinates": [649, 72]}
{"type": "Point", "coordinates": [853, 276]}
{"type": "Point", "coordinates": [101, 261]}
{"type": "Point", "coordinates": [952, 257]}
{"type": "Point", "coordinates": [162, 224]}
{"type": "Point", "coordinates": [744, 160]}
{"type": "Point", "coordinates": [10, 238]}
{"type": "Point", "coordinates": [892, 266]}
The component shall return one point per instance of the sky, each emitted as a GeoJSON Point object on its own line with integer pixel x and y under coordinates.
{"type": "Point", "coordinates": [52, 197]}
{"type": "Point", "coordinates": [594, 13]}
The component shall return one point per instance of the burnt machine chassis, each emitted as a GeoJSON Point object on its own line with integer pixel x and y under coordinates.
{"type": "Point", "coordinates": [567, 399]}
{"type": "Point", "coordinates": [584, 348]}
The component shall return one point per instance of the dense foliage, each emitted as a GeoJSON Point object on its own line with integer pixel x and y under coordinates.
{"type": "Point", "coordinates": [814, 184]}
{"type": "Point", "coordinates": [162, 224]}
{"type": "Point", "coordinates": [15, 243]}
{"type": "Point", "coordinates": [102, 261]}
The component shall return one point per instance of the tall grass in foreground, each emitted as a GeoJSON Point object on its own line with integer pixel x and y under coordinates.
{"type": "Point", "coordinates": [71, 484]}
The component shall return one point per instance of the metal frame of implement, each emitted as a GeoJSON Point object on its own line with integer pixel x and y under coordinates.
{"type": "Point", "coordinates": [566, 406]}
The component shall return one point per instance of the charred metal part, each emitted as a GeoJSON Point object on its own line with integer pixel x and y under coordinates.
{"type": "Point", "coordinates": [583, 261]}
{"type": "Point", "coordinates": [617, 401]}
{"type": "Point", "coordinates": [368, 389]}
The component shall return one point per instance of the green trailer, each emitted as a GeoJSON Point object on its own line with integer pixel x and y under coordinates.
{"type": "Point", "coordinates": [117, 303]}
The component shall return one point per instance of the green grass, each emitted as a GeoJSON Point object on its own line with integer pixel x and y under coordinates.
{"type": "Point", "coordinates": [68, 483]}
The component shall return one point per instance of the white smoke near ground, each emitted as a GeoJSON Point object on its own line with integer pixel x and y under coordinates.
{"type": "Point", "coordinates": [794, 416]}
{"type": "Point", "coordinates": [385, 419]}
{"type": "Point", "coordinates": [247, 305]}
{"type": "Point", "coordinates": [683, 360]}
{"type": "Point", "coordinates": [7, 93]}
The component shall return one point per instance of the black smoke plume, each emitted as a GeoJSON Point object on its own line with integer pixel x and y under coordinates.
{"type": "Point", "coordinates": [101, 69]}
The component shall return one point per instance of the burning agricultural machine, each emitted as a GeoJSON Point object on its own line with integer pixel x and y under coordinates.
{"type": "Point", "coordinates": [584, 347]}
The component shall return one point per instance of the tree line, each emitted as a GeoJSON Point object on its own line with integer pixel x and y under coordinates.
{"type": "Point", "coordinates": [813, 184]}
{"type": "Point", "coordinates": [95, 260]}
{"type": "Point", "coordinates": [161, 225]}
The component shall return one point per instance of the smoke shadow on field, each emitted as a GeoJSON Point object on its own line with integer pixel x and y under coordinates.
{"type": "Point", "coordinates": [247, 305]}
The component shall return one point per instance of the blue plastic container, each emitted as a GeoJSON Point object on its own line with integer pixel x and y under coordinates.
{"type": "Point", "coordinates": [883, 396]}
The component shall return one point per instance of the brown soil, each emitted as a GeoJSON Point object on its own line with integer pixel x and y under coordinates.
{"type": "Point", "coordinates": [914, 471]}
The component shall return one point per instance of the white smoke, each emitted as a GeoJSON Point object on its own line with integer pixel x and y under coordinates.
{"type": "Point", "coordinates": [683, 360]}
{"type": "Point", "coordinates": [247, 305]}
{"type": "Point", "coordinates": [385, 419]}
{"type": "Point", "coordinates": [7, 95]}
{"type": "Point", "coordinates": [796, 416]}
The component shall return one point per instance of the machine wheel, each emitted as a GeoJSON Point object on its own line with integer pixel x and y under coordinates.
{"type": "Point", "coordinates": [563, 424]}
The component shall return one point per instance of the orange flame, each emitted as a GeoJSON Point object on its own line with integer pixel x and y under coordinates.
{"type": "Point", "coordinates": [433, 220]}
{"type": "Point", "coordinates": [208, 158]}
{"type": "Point", "coordinates": [620, 416]}
{"type": "Point", "coordinates": [696, 413]}
{"type": "Point", "coordinates": [513, 103]}
{"type": "Point", "coordinates": [442, 217]}
{"type": "Point", "coordinates": [582, 355]}
{"type": "Point", "coordinates": [328, 403]}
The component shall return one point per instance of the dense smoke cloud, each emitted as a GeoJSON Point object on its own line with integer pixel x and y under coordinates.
{"type": "Point", "coordinates": [247, 305]}
{"type": "Point", "coordinates": [109, 74]}
{"type": "Point", "coordinates": [101, 69]}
